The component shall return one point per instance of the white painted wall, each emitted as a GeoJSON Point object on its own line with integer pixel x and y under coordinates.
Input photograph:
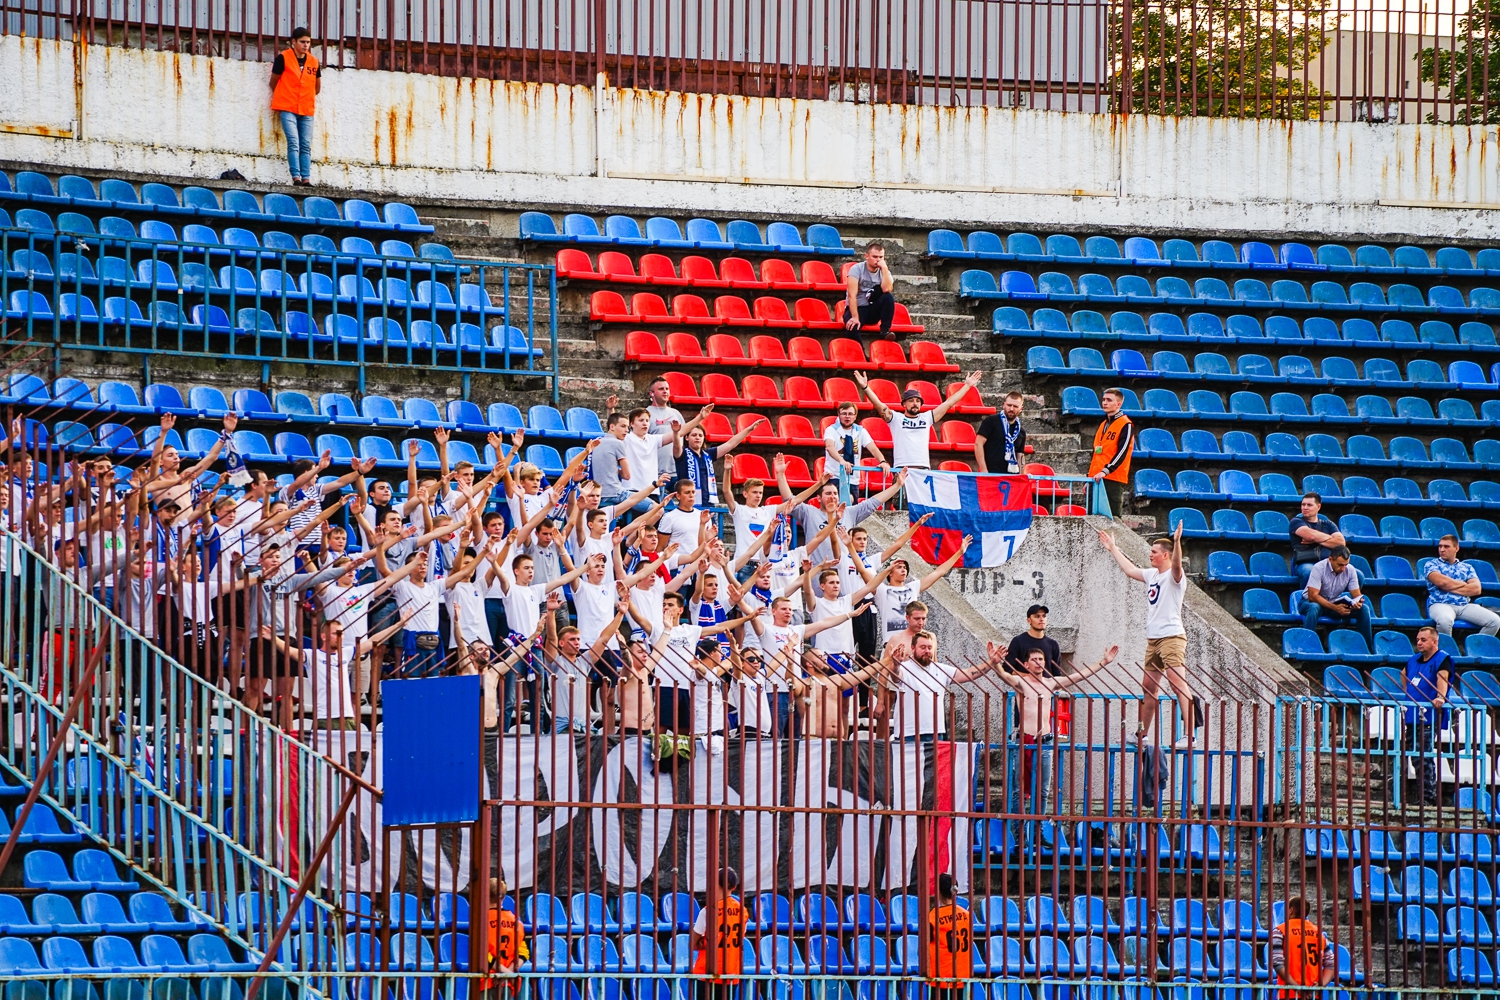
{"type": "Point", "coordinates": [506, 145]}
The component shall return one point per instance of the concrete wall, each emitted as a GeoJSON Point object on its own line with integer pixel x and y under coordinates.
{"type": "Point", "coordinates": [1093, 605]}
{"type": "Point", "coordinates": [448, 141]}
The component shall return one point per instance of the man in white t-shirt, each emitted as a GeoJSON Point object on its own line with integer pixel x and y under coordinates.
{"type": "Point", "coordinates": [832, 605]}
{"type": "Point", "coordinates": [663, 413]}
{"type": "Point", "coordinates": [683, 523]}
{"type": "Point", "coordinates": [333, 703]}
{"type": "Point", "coordinates": [911, 428]}
{"type": "Point", "coordinates": [921, 680]}
{"type": "Point", "coordinates": [845, 442]}
{"type": "Point", "coordinates": [749, 516]}
{"type": "Point", "coordinates": [1166, 639]}
{"type": "Point", "coordinates": [901, 588]}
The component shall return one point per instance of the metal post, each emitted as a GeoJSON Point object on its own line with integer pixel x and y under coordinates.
{"type": "Point", "coordinates": [1126, 57]}
{"type": "Point", "coordinates": [711, 925]}
{"type": "Point", "coordinates": [44, 771]}
{"type": "Point", "coordinates": [308, 876]}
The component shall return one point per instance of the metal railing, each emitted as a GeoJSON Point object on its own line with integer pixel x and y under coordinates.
{"type": "Point", "coordinates": [1395, 60]}
{"type": "Point", "coordinates": [150, 298]}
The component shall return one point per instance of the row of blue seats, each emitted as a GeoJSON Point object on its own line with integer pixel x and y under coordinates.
{"type": "Point", "coordinates": [41, 827]}
{"type": "Point", "coordinates": [1396, 611]}
{"type": "Point", "coordinates": [1238, 486]}
{"type": "Point", "coordinates": [98, 913]}
{"type": "Point", "coordinates": [209, 403]}
{"type": "Point", "coordinates": [1357, 529]}
{"type": "Point", "coordinates": [114, 194]}
{"type": "Point", "coordinates": [1046, 955]}
{"type": "Point", "coordinates": [1269, 569]}
{"type": "Point", "coordinates": [1284, 407]}
{"type": "Point", "coordinates": [93, 871]}
{"type": "Point", "coordinates": [1208, 328]}
{"type": "Point", "coordinates": [159, 955]}
{"type": "Point", "coordinates": [1355, 491]}
{"type": "Point", "coordinates": [1322, 449]}
{"type": "Point", "coordinates": [1348, 646]}
{"type": "Point", "coordinates": [1273, 526]}
{"type": "Point", "coordinates": [1472, 688]}
{"type": "Point", "coordinates": [1247, 293]}
{"type": "Point", "coordinates": [1419, 924]}
{"type": "Point", "coordinates": [77, 313]}
{"type": "Point", "coordinates": [1469, 884]}
{"type": "Point", "coordinates": [1423, 885]}
{"type": "Point", "coordinates": [1194, 848]}
{"type": "Point", "coordinates": [1210, 366]}
{"type": "Point", "coordinates": [702, 234]}
{"type": "Point", "coordinates": [1142, 251]}
{"type": "Point", "coordinates": [231, 280]}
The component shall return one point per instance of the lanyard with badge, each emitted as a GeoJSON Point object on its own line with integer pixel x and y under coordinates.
{"type": "Point", "coordinates": [1011, 465]}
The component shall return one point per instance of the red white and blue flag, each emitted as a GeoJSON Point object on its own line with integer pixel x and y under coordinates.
{"type": "Point", "coordinates": [996, 510]}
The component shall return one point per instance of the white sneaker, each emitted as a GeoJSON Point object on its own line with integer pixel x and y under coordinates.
{"type": "Point", "coordinates": [1184, 743]}
{"type": "Point", "coordinates": [716, 745]}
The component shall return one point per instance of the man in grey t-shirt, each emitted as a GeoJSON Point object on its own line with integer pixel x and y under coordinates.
{"type": "Point", "coordinates": [1333, 592]}
{"type": "Point", "coordinates": [812, 519]}
{"type": "Point", "coordinates": [868, 299]}
{"type": "Point", "coordinates": [608, 463]}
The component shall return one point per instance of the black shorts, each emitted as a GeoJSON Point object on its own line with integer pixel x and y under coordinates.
{"type": "Point", "coordinates": [264, 660]}
{"type": "Point", "coordinates": [674, 710]}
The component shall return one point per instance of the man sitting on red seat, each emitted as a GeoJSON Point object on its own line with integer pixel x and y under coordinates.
{"type": "Point", "coordinates": [868, 292]}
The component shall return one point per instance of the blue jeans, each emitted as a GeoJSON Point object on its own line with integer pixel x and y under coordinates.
{"type": "Point", "coordinates": [1359, 620]}
{"type": "Point", "coordinates": [298, 130]}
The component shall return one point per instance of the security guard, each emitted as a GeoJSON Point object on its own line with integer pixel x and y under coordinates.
{"type": "Point", "coordinates": [950, 944]}
{"type": "Point", "coordinates": [726, 938]}
{"type": "Point", "coordinates": [296, 81]}
{"type": "Point", "coordinates": [1300, 953]}
{"type": "Point", "coordinates": [1113, 441]}
{"type": "Point", "coordinates": [505, 948]}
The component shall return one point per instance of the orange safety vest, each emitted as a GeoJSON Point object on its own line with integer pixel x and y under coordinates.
{"type": "Point", "coordinates": [726, 935]}
{"type": "Point", "coordinates": [950, 945]}
{"type": "Point", "coordinates": [505, 942]}
{"type": "Point", "coordinates": [1303, 945]}
{"type": "Point", "coordinates": [297, 89]}
{"type": "Point", "coordinates": [1106, 443]}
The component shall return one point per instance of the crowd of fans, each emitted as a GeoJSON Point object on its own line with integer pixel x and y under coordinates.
{"type": "Point", "coordinates": [633, 593]}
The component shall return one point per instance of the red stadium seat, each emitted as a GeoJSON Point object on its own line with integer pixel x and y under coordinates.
{"type": "Point", "coordinates": [686, 350]}
{"type": "Point", "coordinates": [901, 324]}
{"type": "Point", "coordinates": [798, 476]}
{"type": "Point", "coordinates": [880, 431]}
{"type": "Point", "coordinates": [839, 390]}
{"type": "Point", "coordinates": [657, 268]}
{"type": "Point", "coordinates": [649, 308]}
{"type": "Point", "coordinates": [1070, 510]}
{"type": "Point", "coordinates": [819, 276]}
{"type": "Point", "coordinates": [826, 423]}
{"type": "Point", "coordinates": [643, 348]}
{"type": "Point", "coordinates": [692, 310]}
{"type": "Point", "coordinates": [699, 272]}
{"type": "Point", "coordinates": [953, 466]}
{"type": "Point", "coordinates": [609, 307]}
{"type": "Point", "coordinates": [740, 273]}
{"type": "Point", "coordinates": [770, 352]}
{"type": "Point", "coordinates": [844, 272]}
{"type": "Point", "coordinates": [1037, 510]}
{"type": "Point", "coordinates": [765, 434]}
{"type": "Point", "coordinates": [733, 311]}
{"type": "Point", "coordinates": [780, 276]}
{"type": "Point", "coordinates": [888, 356]}
{"type": "Point", "coordinates": [814, 314]}
{"type": "Point", "coordinates": [955, 433]}
{"type": "Point", "coordinates": [808, 353]}
{"type": "Point", "coordinates": [619, 268]}
{"type": "Point", "coordinates": [717, 427]}
{"type": "Point", "coordinates": [774, 313]}
{"type": "Point", "coordinates": [798, 431]}
{"type": "Point", "coordinates": [726, 349]}
{"type": "Point", "coordinates": [746, 465]}
{"type": "Point", "coordinates": [848, 354]}
{"type": "Point", "coordinates": [885, 390]}
{"type": "Point", "coordinates": [935, 443]}
{"type": "Point", "coordinates": [1047, 489]}
{"type": "Point", "coordinates": [806, 393]}
{"type": "Point", "coordinates": [575, 264]}
{"type": "Point", "coordinates": [930, 357]}
{"type": "Point", "coordinates": [930, 397]}
{"type": "Point", "coordinates": [972, 401]}
{"type": "Point", "coordinates": [761, 390]}
{"type": "Point", "coordinates": [721, 390]}
{"type": "Point", "coordinates": [684, 389]}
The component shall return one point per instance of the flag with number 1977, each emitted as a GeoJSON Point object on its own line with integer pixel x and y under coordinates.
{"type": "Point", "coordinates": [996, 510]}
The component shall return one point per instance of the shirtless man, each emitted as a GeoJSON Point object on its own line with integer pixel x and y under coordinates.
{"type": "Point", "coordinates": [1037, 695]}
{"type": "Point", "coordinates": [824, 695]}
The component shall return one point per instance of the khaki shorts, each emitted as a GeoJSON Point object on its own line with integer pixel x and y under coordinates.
{"type": "Point", "coordinates": [1165, 654]}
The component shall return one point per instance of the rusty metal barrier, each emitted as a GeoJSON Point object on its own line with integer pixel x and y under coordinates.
{"type": "Point", "coordinates": [1342, 60]}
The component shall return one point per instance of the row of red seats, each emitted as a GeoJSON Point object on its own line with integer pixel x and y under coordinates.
{"type": "Point", "coordinates": [699, 272]}
{"type": "Point", "coordinates": [796, 431]}
{"type": "Point", "coordinates": [729, 310]}
{"type": "Point", "coordinates": [766, 351]}
{"type": "Point", "coordinates": [799, 392]}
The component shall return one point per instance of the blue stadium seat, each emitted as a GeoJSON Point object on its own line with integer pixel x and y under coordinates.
{"type": "Point", "coordinates": [1469, 966]}
{"type": "Point", "coordinates": [1304, 645]}
{"type": "Point", "coordinates": [1468, 925]}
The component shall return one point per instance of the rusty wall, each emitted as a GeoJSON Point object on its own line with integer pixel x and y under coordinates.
{"type": "Point", "coordinates": [440, 140]}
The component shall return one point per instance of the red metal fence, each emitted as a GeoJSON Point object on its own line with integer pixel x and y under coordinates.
{"type": "Point", "coordinates": [1345, 60]}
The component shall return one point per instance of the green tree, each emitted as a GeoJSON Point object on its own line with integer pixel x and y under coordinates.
{"type": "Point", "coordinates": [1222, 58]}
{"type": "Point", "coordinates": [1470, 68]}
